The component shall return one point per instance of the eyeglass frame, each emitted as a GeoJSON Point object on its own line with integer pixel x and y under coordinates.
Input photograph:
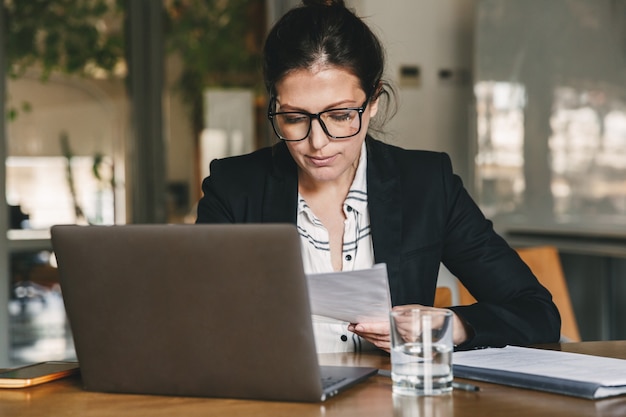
{"type": "Point", "coordinates": [317, 116]}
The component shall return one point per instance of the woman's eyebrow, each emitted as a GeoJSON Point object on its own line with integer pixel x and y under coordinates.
{"type": "Point", "coordinates": [337, 105]}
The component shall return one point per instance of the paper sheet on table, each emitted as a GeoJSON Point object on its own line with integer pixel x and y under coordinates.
{"type": "Point", "coordinates": [352, 296]}
{"type": "Point", "coordinates": [546, 370]}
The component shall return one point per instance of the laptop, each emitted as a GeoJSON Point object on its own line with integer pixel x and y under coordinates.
{"type": "Point", "coordinates": [193, 310]}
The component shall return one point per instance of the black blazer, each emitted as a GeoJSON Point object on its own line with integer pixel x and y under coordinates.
{"type": "Point", "coordinates": [420, 215]}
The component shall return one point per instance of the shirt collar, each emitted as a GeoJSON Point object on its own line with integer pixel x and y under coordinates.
{"type": "Point", "coordinates": [357, 195]}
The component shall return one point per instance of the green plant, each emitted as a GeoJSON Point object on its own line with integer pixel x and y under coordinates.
{"type": "Point", "coordinates": [65, 36]}
{"type": "Point", "coordinates": [218, 41]}
{"type": "Point", "coordinates": [70, 36]}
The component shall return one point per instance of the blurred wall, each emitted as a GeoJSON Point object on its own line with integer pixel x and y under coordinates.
{"type": "Point", "coordinates": [431, 43]}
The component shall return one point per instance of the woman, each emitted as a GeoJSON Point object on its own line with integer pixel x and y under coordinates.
{"type": "Point", "coordinates": [357, 201]}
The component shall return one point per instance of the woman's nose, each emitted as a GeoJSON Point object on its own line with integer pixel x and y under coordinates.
{"type": "Point", "coordinates": [318, 137]}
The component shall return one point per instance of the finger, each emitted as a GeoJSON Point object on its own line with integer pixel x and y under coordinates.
{"type": "Point", "coordinates": [373, 336]}
{"type": "Point", "coordinates": [379, 342]}
{"type": "Point", "coordinates": [377, 327]}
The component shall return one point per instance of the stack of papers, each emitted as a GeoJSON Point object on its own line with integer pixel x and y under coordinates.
{"type": "Point", "coordinates": [566, 373]}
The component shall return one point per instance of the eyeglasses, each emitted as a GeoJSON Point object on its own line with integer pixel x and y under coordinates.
{"type": "Point", "coordinates": [294, 126]}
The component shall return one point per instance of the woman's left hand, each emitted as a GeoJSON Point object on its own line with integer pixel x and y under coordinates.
{"type": "Point", "coordinates": [376, 332]}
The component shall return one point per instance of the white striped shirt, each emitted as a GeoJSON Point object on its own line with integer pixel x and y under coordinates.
{"type": "Point", "coordinates": [358, 253]}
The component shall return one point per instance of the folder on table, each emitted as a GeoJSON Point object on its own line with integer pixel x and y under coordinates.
{"type": "Point", "coordinates": [574, 374]}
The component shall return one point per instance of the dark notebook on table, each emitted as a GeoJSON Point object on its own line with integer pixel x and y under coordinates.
{"type": "Point", "coordinates": [193, 310]}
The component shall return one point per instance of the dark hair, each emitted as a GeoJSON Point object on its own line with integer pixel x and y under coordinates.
{"type": "Point", "coordinates": [324, 32]}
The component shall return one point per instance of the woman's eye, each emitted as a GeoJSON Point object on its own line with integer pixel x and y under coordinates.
{"type": "Point", "coordinates": [295, 118]}
{"type": "Point", "coordinates": [342, 116]}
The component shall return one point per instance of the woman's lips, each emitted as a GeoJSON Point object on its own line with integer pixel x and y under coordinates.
{"type": "Point", "coordinates": [321, 161]}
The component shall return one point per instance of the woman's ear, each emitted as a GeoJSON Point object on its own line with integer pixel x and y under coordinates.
{"type": "Point", "coordinates": [373, 107]}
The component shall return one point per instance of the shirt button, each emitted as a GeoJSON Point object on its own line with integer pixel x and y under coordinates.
{"type": "Point", "coordinates": [348, 257]}
{"type": "Point", "coordinates": [349, 208]}
{"type": "Point", "coordinates": [344, 338]}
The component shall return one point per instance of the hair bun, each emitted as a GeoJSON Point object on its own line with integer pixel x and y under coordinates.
{"type": "Point", "coordinates": [327, 3]}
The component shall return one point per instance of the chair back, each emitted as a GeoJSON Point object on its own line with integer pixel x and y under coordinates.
{"type": "Point", "coordinates": [443, 297]}
{"type": "Point", "coordinates": [545, 263]}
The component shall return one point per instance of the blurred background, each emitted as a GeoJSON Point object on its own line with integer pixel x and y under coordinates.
{"type": "Point", "coordinates": [113, 110]}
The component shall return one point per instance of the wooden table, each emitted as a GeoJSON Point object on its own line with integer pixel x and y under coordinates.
{"type": "Point", "coordinates": [372, 398]}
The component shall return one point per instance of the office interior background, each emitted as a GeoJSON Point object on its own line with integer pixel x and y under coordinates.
{"type": "Point", "coordinates": [114, 109]}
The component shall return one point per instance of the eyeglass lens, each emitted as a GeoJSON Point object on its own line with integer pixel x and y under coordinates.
{"type": "Point", "coordinates": [338, 123]}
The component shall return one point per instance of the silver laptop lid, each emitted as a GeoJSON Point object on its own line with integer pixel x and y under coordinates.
{"type": "Point", "coordinates": [199, 310]}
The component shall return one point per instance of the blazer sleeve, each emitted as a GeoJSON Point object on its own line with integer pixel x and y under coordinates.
{"type": "Point", "coordinates": [512, 306]}
{"type": "Point", "coordinates": [258, 187]}
{"type": "Point", "coordinates": [214, 206]}
{"type": "Point", "coordinates": [235, 188]}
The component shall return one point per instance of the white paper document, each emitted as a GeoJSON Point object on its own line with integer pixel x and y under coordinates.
{"type": "Point", "coordinates": [352, 296]}
{"type": "Point", "coordinates": [554, 371]}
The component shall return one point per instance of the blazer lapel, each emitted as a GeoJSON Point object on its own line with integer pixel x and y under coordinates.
{"type": "Point", "coordinates": [384, 196]}
{"type": "Point", "coordinates": [281, 188]}
{"type": "Point", "coordinates": [384, 199]}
